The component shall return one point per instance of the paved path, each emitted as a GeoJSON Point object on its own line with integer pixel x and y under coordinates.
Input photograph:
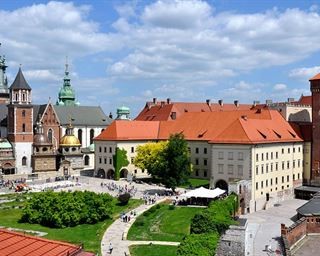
{"type": "Point", "coordinates": [264, 226]}
{"type": "Point", "coordinates": [117, 234]}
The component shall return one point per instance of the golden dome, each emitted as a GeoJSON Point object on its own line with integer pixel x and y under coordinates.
{"type": "Point", "coordinates": [69, 140]}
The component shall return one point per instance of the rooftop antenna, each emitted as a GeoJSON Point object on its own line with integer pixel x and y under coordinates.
{"type": "Point", "coordinates": [67, 66]}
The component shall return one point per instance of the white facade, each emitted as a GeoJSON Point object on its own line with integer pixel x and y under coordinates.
{"type": "Point", "coordinates": [87, 132]}
{"type": "Point", "coordinates": [23, 152]}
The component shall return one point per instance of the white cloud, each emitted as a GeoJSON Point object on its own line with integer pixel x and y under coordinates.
{"type": "Point", "coordinates": [279, 87]}
{"type": "Point", "coordinates": [41, 75]}
{"type": "Point", "coordinates": [304, 73]}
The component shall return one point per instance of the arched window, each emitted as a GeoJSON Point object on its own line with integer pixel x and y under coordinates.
{"type": "Point", "coordinates": [86, 160]}
{"type": "Point", "coordinates": [50, 135]}
{"type": "Point", "coordinates": [23, 127]}
{"type": "Point", "coordinates": [23, 113]}
{"type": "Point", "coordinates": [24, 161]}
{"type": "Point", "coordinates": [91, 136]}
{"type": "Point", "coordinates": [17, 96]}
{"type": "Point", "coordinates": [80, 135]}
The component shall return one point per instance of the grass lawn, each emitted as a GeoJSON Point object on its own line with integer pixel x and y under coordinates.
{"type": "Point", "coordinates": [153, 250]}
{"type": "Point", "coordinates": [195, 183]}
{"type": "Point", "coordinates": [162, 224]}
{"type": "Point", "coordinates": [89, 235]}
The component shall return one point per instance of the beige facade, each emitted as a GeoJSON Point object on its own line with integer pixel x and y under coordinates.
{"type": "Point", "coordinates": [293, 112]}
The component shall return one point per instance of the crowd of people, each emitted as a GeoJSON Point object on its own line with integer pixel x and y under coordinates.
{"type": "Point", "coordinates": [11, 183]}
{"type": "Point", "coordinates": [119, 189]}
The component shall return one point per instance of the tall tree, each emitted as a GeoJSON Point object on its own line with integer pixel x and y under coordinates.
{"type": "Point", "coordinates": [120, 160]}
{"type": "Point", "coordinates": [177, 167]}
{"type": "Point", "coordinates": [168, 161]}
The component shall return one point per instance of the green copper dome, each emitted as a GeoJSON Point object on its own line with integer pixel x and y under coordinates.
{"type": "Point", "coordinates": [123, 113]}
{"type": "Point", "coordinates": [5, 144]}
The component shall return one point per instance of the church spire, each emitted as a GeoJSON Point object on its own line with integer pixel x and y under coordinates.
{"type": "Point", "coordinates": [3, 78]}
{"type": "Point", "coordinates": [66, 94]}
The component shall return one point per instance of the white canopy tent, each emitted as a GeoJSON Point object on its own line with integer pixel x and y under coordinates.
{"type": "Point", "coordinates": [204, 193]}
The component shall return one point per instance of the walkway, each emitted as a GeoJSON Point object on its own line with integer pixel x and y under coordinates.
{"type": "Point", "coordinates": [117, 234]}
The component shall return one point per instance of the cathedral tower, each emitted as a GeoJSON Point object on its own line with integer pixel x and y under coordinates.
{"type": "Point", "coordinates": [20, 123]}
{"type": "Point", "coordinates": [4, 91]}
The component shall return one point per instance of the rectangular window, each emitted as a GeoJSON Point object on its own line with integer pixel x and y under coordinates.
{"type": "Point", "coordinates": [288, 178]}
{"type": "Point", "coordinates": [230, 155]}
{"type": "Point", "coordinates": [276, 180]}
{"type": "Point", "coordinates": [240, 156]}
{"type": "Point", "coordinates": [294, 150]}
{"type": "Point", "coordinates": [132, 160]}
{"type": "Point", "coordinates": [100, 149]}
{"type": "Point", "coordinates": [110, 149]}
{"type": "Point", "coordinates": [220, 168]}
{"type": "Point", "coordinates": [205, 173]}
{"type": "Point", "coordinates": [230, 169]}
{"type": "Point", "coordinates": [282, 179]}
{"type": "Point", "coordinates": [277, 166]}
{"type": "Point", "coordinates": [257, 170]}
{"type": "Point", "coordinates": [257, 157]}
{"type": "Point", "coordinates": [197, 150]}
{"type": "Point", "coordinates": [298, 176]}
{"type": "Point", "coordinates": [110, 160]}
{"type": "Point", "coordinates": [267, 156]}
{"type": "Point", "coordinates": [267, 183]}
{"type": "Point", "coordinates": [257, 186]}
{"type": "Point", "coordinates": [105, 149]}
{"type": "Point", "coordinates": [293, 177]}
{"type": "Point", "coordinates": [100, 160]}
{"type": "Point", "coordinates": [288, 150]}
{"type": "Point", "coordinates": [132, 149]}
{"type": "Point", "coordinates": [261, 184]}
{"type": "Point", "coordinates": [271, 155]}
{"type": "Point", "coordinates": [299, 149]}
{"type": "Point", "coordinates": [267, 168]}
{"type": "Point", "coordinates": [205, 162]}
{"type": "Point", "coordinates": [205, 150]}
{"type": "Point", "coordinates": [298, 162]}
{"type": "Point", "coordinates": [220, 155]}
{"type": "Point", "coordinates": [197, 161]}
{"type": "Point", "coordinates": [288, 164]}
{"type": "Point", "coordinates": [282, 150]}
{"type": "Point", "coordinates": [294, 164]}
{"type": "Point", "coordinates": [271, 167]}
{"type": "Point", "coordinates": [282, 165]}
{"type": "Point", "coordinates": [197, 172]}
{"type": "Point", "coordinates": [105, 160]}
{"type": "Point", "coordinates": [262, 169]}
{"type": "Point", "coordinates": [270, 182]}
{"type": "Point", "coordinates": [277, 155]}
{"type": "Point", "coordinates": [240, 170]}
{"type": "Point", "coordinates": [262, 157]}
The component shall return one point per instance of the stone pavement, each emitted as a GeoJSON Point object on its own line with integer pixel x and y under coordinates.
{"type": "Point", "coordinates": [264, 227]}
{"type": "Point", "coordinates": [117, 234]}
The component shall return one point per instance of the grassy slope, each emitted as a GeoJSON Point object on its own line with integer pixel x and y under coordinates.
{"type": "Point", "coordinates": [163, 224]}
{"type": "Point", "coordinates": [153, 250]}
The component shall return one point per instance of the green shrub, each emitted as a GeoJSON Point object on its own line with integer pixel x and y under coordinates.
{"type": "Point", "coordinates": [172, 207]}
{"type": "Point", "coordinates": [67, 209]}
{"type": "Point", "coordinates": [124, 198]}
{"type": "Point", "coordinates": [198, 245]}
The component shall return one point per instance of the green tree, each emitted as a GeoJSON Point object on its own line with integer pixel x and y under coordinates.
{"type": "Point", "coordinates": [150, 156]}
{"type": "Point", "coordinates": [167, 161]}
{"type": "Point", "coordinates": [120, 160]}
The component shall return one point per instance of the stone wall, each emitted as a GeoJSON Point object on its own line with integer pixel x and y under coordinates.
{"type": "Point", "coordinates": [232, 243]}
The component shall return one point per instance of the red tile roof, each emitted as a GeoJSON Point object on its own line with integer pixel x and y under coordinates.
{"type": "Point", "coordinates": [304, 100]}
{"type": "Point", "coordinates": [241, 126]}
{"type": "Point", "coordinates": [316, 77]}
{"type": "Point", "coordinates": [162, 111]}
{"type": "Point", "coordinates": [18, 244]}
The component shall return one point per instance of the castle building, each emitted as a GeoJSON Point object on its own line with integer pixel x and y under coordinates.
{"type": "Point", "coordinates": [256, 145]}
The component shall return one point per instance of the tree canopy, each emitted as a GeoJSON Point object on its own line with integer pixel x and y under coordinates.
{"type": "Point", "coordinates": [168, 161]}
{"type": "Point", "coordinates": [120, 160]}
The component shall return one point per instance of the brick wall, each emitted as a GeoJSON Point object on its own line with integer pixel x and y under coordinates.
{"type": "Point", "coordinates": [297, 231]}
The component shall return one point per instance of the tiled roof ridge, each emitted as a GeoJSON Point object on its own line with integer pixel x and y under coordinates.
{"type": "Point", "coordinates": [37, 238]}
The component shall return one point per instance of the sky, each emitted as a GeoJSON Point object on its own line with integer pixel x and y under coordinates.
{"type": "Point", "coordinates": [128, 52]}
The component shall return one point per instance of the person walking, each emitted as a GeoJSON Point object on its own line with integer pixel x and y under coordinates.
{"type": "Point", "coordinates": [110, 248]}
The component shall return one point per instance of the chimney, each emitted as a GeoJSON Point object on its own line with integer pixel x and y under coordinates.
{"type": "Point", "coordinates": [268, 102]}
{"type": "Point", "coordinates": [236, 103]}
{"type": "Point", "coordinates": [220, 102]}
{"type": "Point", "coordinates": [208, 102]}
{"type": "Point", "coordinates": [168, 100]}
{"type": "Point", "coordinates": [154, 100]}
{"type": "Point", "coordinates": [110, 115]}
{"type": "Point", "coordinates": [290, 100]}
{"type": "Point", "coordinates": [162, 103]}
{"type": "Point", "coordinates": [244, 117]}
{"type": "Point", "coordinates": [256, 102]}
